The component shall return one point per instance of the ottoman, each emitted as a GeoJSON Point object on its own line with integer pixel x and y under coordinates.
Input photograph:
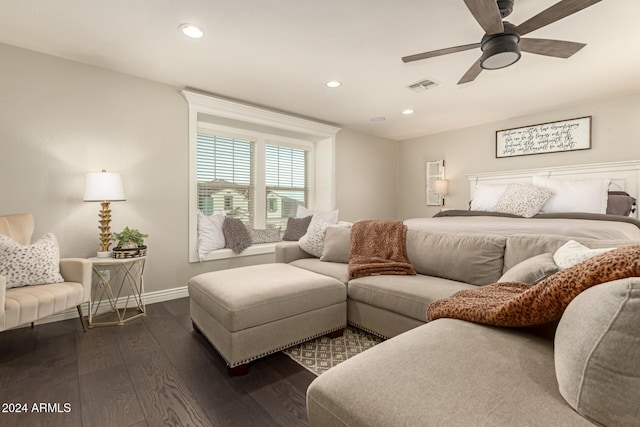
{"type": "Point", "coordinates": [250, 312]}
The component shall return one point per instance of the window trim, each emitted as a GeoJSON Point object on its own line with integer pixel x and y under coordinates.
{"type": "Point", "coordinates": [322, 168]}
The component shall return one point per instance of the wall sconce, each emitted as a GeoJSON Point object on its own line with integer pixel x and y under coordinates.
{"type": "Point", "coordinates": [104, 187]}
{"type": "Point", "coordinates": [441, 188]}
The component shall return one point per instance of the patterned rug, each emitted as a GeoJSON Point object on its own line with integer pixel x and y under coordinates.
{"type": "Point", "coordinates": [322, 353]}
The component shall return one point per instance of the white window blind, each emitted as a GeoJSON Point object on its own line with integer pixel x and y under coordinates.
{"type": "Point", "coordinates": [286, 178]}
{"type": "Point", "coordinates": [225, 175]}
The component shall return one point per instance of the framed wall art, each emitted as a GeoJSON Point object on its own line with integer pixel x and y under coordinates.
{"type": "Point", "coordinates": [565, 135]}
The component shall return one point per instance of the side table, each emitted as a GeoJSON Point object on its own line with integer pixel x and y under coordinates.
{"type": "Point", "coordinates": [118, 285]}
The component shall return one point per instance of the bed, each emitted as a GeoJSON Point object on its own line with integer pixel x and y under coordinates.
{"type": "Point", "coordinates": [621, 181]}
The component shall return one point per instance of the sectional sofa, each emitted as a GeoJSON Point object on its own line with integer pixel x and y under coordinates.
{"type": "Point", "coordinates": [452, 372]}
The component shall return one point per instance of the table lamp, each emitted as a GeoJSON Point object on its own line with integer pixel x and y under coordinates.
{"type": "Point", "coordinates": [104, 187]}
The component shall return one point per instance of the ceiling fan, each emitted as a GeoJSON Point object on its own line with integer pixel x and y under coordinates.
{"type": "Point", "coordinates": [502, 43]}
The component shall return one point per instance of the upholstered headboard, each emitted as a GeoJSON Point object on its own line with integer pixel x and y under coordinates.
{"type": "Point", "coordinates": [624, 176]}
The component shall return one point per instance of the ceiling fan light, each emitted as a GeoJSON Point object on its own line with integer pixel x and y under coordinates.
{"type": "Point", "coordinates": [500, 51]}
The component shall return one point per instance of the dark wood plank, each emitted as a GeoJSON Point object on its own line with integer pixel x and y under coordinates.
{"type": "Point", "coordinates": [223, 402]}
{"type": "Point", "coordinates": [98, 350]}
{"type": "Point", "coordinates": [109, 399]}
{"type": "Point", "coordinates": [163, 395]}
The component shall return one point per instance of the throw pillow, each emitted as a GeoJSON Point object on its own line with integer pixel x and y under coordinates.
{"type": "Point", "coordinates": [337, 244]}
{"type": "Point", "coordinates": [313, 241]}
{"type": "Point", "coordinates": [330, 216]}
{"type": "Point", "coordinates": [523, 200]}
{"type": "Point", "coordinates": [34, 264]}
{"type": "Point", "coordinates": [572, 253]}
{"type": "Point", "coordinates": [210, 235]}
{"type": "Point", "coordinates": [531, 270]}
{"type": "Point", "coordinates": [486, 196]}
{"type": "Point", "coordinates": [574, 196]}
{"type": "Point", "coordinates": [236, 235]}
{"type": "Point", "coordinates": [269, 235]}
{"type": "Point", "coordinates": [296, 228]}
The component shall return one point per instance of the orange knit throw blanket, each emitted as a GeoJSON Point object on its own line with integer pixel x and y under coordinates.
{"type": "Point", "coordinates": [378, 247]}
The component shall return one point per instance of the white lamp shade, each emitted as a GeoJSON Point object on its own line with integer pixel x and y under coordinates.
{"type": "Point", "coordinates": [103, 186]}
{"type": "Point", "coordinates": [441, 187]}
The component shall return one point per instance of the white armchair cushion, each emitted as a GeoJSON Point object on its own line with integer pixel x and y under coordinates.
{"type": "Point", "coordinates": [35, 264]}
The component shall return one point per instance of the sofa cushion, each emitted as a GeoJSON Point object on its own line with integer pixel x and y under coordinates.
{"type": "Point", "coordinates": [445, 373]}
{"type": "Point", "coordinates": [597, 349]}
{"type": "Point", "coordinates": [337, 270]}
{"type": "Point", "coordinates": [531, 270]}
{"type": "Point", "coordinates": [469, 258]}
{"type": "Point", "coordinates": [337, 244]}
{"type": "Point", "coordinates": [406, 295]}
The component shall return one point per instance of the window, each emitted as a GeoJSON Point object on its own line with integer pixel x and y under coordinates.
{"type": "Point", "coordinates": [286, 183]}
{"type": "Point", "coordinates": [225, 176]}
{"type": "Point", "coordinates": [256, 165]}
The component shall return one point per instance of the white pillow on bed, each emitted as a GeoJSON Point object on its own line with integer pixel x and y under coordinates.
{"type": "Point", "coordinates": [486, 196]}
{"type": "Point", "coordinates": [575, 196]}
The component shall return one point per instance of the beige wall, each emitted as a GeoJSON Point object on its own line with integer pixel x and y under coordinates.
{"type": "Point", "coordinates": [615, 137]}
{"type": "Point", "coordinates": [367, 176]}
{"type": "Point", "coordinates": [60, 119]}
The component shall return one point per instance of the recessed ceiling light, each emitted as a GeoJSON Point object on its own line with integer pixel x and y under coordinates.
{"type": "Point", "coordinates": [191, 30]}
{"type": "Point", "coordinates": [333, 83]}
{"type": "Point", "coordinates": [378, 119]}
{"type": "Point", "coordinates": [407, 111]}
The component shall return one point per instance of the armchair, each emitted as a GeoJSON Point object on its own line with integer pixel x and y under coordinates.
{"type": "Point", "coordinates": [26, 304]}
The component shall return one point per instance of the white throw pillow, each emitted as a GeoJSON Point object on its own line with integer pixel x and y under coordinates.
{"type": "Point", "coordinates": [330, 216]}
{"type": "Point", "coordinates": [210, 235]}
{"type": "Point", "coordinates": [523, 200]}
{"type": "Point", "coordinates": [575, 196]}
{"type": "Point", "coordinates": [572, 253]}
{"type": "Point", "coordinates": [34, 264]}
{"type": "Point", "coordinates": [486, 196]}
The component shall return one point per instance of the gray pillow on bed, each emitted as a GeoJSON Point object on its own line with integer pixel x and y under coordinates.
{"type": "Point", "coordinates": [531, 270]}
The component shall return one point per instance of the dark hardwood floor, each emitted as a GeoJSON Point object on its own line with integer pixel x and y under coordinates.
{"type": "Point", "coordinates": [154, 371]}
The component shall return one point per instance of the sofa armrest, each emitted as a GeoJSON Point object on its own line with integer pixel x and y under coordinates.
{"type": "Point", "coordinates": [77, 270]}
{"type": "Point", "coordinates": [287, 252]}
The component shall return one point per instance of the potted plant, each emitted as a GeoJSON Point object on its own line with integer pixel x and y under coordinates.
{"type": "Point", "coordinates": [130, 243]}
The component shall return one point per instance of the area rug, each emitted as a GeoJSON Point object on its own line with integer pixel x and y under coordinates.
{"type": "Point", "coordinates": [323, 353]}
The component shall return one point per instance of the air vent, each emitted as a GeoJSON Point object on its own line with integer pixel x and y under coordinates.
{"type": "Point", "coordinates": [423, 85]}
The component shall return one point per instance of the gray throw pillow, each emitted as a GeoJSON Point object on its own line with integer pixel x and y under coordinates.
{"type": "Point", "coordinates": [337, 244]}
{"type": "Point", "coordinates": [236, 235]}
{"type": "Point", "coordinates": [296, 228]}
{"type": "Point", "coordinates": [531, 270]}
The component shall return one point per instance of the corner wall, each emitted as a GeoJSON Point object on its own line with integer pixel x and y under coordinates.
{"type": "Point", "coordinates": [615, 137]}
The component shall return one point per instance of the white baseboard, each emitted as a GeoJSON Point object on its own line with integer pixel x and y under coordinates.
{"type": "Point", "coordinates": [148, 298]}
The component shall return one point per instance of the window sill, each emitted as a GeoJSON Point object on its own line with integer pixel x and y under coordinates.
{"type": "Point", "coordinates": [257, 249]}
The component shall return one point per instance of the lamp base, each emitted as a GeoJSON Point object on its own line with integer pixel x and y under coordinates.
{"type": "Point", "coordinates": [104, 254]}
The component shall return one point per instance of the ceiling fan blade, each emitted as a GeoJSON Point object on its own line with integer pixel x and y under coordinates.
{"type": "Point", "coordinates": [560, 10]}
{"type": "Point", "coordinates": [548, 47]}
{"type": "Point", "coordinates": [471, 73]}
{"type": "Point", "coordinates": [487, 14]}
{"type": "Point", "coordinates": [439, 52]}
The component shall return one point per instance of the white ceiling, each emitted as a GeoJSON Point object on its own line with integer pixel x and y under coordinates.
{"type": "Point", "coordinates": [280, 53]}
